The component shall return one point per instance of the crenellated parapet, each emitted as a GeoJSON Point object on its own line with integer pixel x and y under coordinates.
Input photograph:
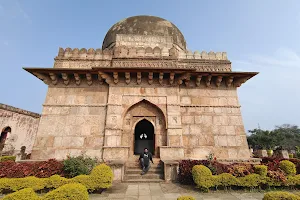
{"type": "Point", "coordinates": [84, 54]}
{"type": "Point", "coordinates": [137, 52]}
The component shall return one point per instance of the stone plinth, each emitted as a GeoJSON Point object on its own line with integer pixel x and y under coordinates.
{"type": "Point", "coordinates": [282, 154]}
{"type": "Point", "coordinates": [171, 168]}
{"type": "Point", "coordinates": [117, 167]}
{"type": "Point", "coordinates": [261, 153]}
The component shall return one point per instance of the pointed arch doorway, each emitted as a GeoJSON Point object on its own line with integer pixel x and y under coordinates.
{"type": "Point", "coordinates": [144, 137]}
{"type": "Point", "coordinates": [140, 116]}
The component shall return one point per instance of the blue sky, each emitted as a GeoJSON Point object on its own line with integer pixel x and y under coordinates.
{"type": "Point", "coordinates": [261, 36]}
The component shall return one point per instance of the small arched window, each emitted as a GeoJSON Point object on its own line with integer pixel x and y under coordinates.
{"type": "Point", "coordinates": [3, 136]}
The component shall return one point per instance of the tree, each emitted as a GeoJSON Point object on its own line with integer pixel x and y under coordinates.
{"type": "Point", "coordinates": [286, 136]}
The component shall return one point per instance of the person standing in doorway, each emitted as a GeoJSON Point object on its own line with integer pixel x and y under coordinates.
{"type": "Point", "coordinates": [145, 159]}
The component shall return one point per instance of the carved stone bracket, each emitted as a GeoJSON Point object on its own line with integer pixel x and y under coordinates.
{"type": "Point", "coordinates": [229, 81]}
{"type": "Point", "coordinates": [139, 78]}
{"type": "Point", "coordinates": [127, 77]}
{"type": "Point", "coordinates": [161, 78]}
{"type": "Point", "coordinates": [89, 79]}
{"type": "Point", "coordinates": [218, 81]}
{"type": "Point", "coordinates": [182, 77]}
{"type": "Point", "coordinates": [53, 78]}
{"type": "Point", "coordinates": [198, 80]}
{"type": "Point", "coordinates": [77, 79]}
{"type": "Point", "coordinates": [65, 78]}
{"type": "Point", "coordinates": [208, 80]}
{"type": "Point", "coordinates": [150, 78]}
{"type": "Point", "coordinates": [187, 81]}
{"type": "Point", "coordinates": [116, 77]}
{"type": "Point", "coordinates": [106, 77]}
{"type": "Point", "coordinates": [172, 74]}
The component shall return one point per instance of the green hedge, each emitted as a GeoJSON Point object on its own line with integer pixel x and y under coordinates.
{"type": "Point", "coordinates": [100, 178]}
{"type": "Point", "coordinates": [24, 194]}
{"type": "Point", "coordinates": [73, 191]}
{"type": "Point", "coordinates": [280, 196]}
{"type": "Point", "coordinates": [204, 179]}
{"type": "Point", "coordinates": [288, 167]}
{"type": "Point", "coordinates": [186, 198]}
{"type": "Point", "coordinates": [7, 158]}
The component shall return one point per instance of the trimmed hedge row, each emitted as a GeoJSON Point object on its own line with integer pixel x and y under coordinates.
{"type": "Point", "coordinates": [72, 191]}
{"type": "Point", "coordinates": [100, 178]}
{"type": "Point", "coordinates": [281, 195]}
{"type": "Point", "coordinates": [186, 198]}
{"type": "Point", "coordinates": [7, 158]}
{"type": "Point", "coordinates": [204, 179]}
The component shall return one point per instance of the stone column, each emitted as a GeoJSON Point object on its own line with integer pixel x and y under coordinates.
{"type": "Point", "coordinates": [174, 149]}
{"type": "Point", "coordinates": [112, 149]}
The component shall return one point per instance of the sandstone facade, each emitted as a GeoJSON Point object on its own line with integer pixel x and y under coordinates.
{"type": "Point", "coordinates": [18, 128]}
{"type": "Point", "coordinates": [96, 98]}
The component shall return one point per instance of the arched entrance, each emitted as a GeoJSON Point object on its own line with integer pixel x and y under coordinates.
{"type": "Point", "coordinates": [144, 137]}
{"type": "Point", "coordinates": [3, 137]}
{"type": "Point", "coordinates": [144, 116]}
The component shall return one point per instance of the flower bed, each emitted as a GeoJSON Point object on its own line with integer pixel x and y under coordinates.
{"type": "Point", "coordinates": [43, 169]}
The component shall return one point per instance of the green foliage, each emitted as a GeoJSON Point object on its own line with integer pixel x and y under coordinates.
{"type": "Point", "coordinates": [6, 158]}
{"type": "Point", "coordinates": [288, 167]}
{"type": "Point", "coordinates": [280, 196]}
{"type": "Point", "coordinates": [72, 191]}
{"type": "Point", "coordinates": [24, 194]}
{"type": "Point", "coordinates": [225, 180]}
{"type": "Point", "coordinates": [56, 181]}
{"type": "Point", "coordinates": [298, 151]}
{"type": "Point", "coordinates": [261, 170]}
{"type": "Point", "coordinates": [250, 181]}
{"type": "Point", "coordinates": [286, 136]}
{"type": "Point", "coordinates": [16, 184]}
{"type": "Point", "coordinates": [293, 180]}
{"type": "Point", "coordinates": [100, 178]}
{"type": "Point", "coordinates": [186, 198]}
{"type": "Point", "coordinates": [74, 166]}
{"type": "Point", "coordinates": [203, 177]}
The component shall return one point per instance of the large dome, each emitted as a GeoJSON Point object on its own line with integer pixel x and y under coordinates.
{"type": "Point", "coordinates": [144, 25]}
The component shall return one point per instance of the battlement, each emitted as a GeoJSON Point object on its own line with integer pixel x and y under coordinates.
{"type": "Point", "coordinates": [139, 52]}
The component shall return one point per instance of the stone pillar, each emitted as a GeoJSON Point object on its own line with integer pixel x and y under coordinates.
{"type": "Point", "coordinates": [174, 149]}
{"type": "Point", "coordinates": [112, 149]}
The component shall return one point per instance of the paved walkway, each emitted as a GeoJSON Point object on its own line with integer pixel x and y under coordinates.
{"type": "Point", "coordinates": [168, 191]}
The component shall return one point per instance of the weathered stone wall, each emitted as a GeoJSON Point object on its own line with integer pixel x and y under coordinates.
{"type": "Point", "coordinates": [72, 122]}
{"type": "Point", "coordinates": [212, 123]}
{"type": "Point", "coordinates": [23, 124]}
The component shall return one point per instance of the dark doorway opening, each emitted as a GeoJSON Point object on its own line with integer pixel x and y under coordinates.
{"type": "Point", "coordinates": [3, 137]}
{"type": "Point", "coordinates": [144, 137]}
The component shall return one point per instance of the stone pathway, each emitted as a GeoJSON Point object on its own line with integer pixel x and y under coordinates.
{"type": "Point", "coordinates": [168, 191]}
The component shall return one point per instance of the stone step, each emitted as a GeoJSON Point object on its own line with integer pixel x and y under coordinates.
{"type": "Point", "coordinates": [131, 164]}
{"type": "Point", "coordinates": [143, 181]}
{"type": "Point", "coordinates": [145, 176]}
{"type": "Point", "coordinates": [138, 171]}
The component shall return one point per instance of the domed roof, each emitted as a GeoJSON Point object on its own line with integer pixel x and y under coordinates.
{"type": "Point", "coordinates": [144, 25]}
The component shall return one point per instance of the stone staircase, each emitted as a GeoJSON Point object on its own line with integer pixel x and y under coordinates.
{"type": "Point", "coordinates": [133, 172]}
